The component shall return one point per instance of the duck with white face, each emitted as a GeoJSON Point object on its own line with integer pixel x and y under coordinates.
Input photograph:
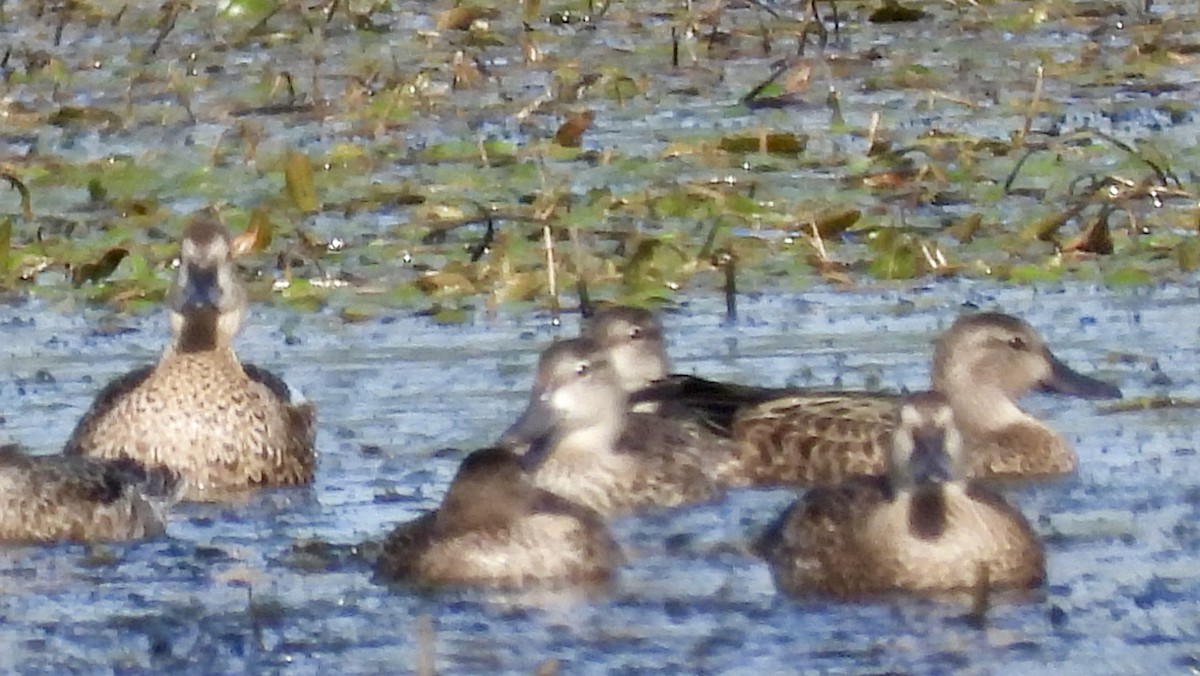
{"type": "Point", "coordinates": [597, 453]}
{"type": "Point", "coordinates": [634, 342]}
{"type": "Point", "coordinates": [207, 302]}
{"type": "Point", "coordinates": [982, 364]}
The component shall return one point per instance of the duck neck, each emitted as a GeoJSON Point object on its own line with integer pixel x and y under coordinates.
{"type": "Point", "coordinates": [928, 511]}
{"type": "Point", "coordinates": [205, 330]}
{"type": "Point", "coordinates": [596, 439]}
{"type": "Point", "coordinates": [980, 410]}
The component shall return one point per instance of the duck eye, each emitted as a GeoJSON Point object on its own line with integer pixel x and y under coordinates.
{"type": "Point", "coordinates": [635, 333]}
{"type": "Point", "coordinates": [1017, 343]}
{"type": "Point", "coordinates": [582, 368]}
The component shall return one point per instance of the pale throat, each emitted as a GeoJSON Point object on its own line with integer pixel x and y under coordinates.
{"type": "Point", "coordinates": [592, 442]}
{"type": "Point", "coordinates": [985, 409]}
{"type": "Point", "coordinates": [203, 331]}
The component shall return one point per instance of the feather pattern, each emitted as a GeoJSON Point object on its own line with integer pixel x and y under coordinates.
{"type": "Point", "coordinates": [221, 425]}
{"type": "Point", "coordinates": [60, 498]}
{"type": "Point", "coordinates": [907, 531]}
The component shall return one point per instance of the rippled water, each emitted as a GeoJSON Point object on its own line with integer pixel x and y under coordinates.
{"type": "Point", "coordinates": [228, 592]}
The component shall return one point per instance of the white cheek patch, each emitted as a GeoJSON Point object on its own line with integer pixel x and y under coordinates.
{"type": "Point", "coordinates": [953, 444]}
{"type": "Point", "coordinates": [562, 400]}
{"type": "Point", "coordinates": [227, 284]}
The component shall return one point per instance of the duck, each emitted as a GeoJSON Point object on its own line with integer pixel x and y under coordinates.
{"type": "Point", "coordinates": [56, 498]}
{"type": "Point", "coordinates": [495, 529]}
{"type": "Point", "coordinates": [983, 363]}
{"type": "Point", "coordinates": [922, 528]}
{"type": "Point", "coordinates": [221, 425]}
{"type": "Point", "coordinates": [600, 453]}
{"type": "Point", "coordinates": [634, 341]}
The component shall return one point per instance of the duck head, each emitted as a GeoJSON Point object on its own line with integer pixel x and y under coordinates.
{"type": "Point", "coordinates": [207, 302]}
{"type": "Point", "coordinates": [576, 395]}
{"type": "Point", "coordinates": [633, 339]}
{"type": "Point", "coordinates": [995, 350]}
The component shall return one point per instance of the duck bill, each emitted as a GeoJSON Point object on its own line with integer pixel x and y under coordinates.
{"type": "Point", "coordinates": [1064, 380]}
{"type": "Point", "coordinates": [201, 290]}
{"type": "Point", "coordinates": [930, 463]}
{"type": "Point", "coordinates": [534, 433]}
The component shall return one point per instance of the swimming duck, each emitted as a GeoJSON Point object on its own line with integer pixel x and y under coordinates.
{"type": "Point", "coordinates": [633, 340]}
{"type": "Point", "coordinates": [919, 529]}
{"type": "Point", "coordinates": [53, 498]}
{"type": "Point", "coordinates": [982, 363]}
{"type": "Point", "coordinates": [495, 528]}
{"type": "Point", "coordinates": [599, 453]}
{"type": "Point", "coordinates": [220, 424]}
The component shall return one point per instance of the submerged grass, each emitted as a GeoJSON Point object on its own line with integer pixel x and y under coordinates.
{"type": "Point", "coordinates": [385, 155]}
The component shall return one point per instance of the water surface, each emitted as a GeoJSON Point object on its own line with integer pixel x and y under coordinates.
{"type": "Point", "coordinates": [229, 592]}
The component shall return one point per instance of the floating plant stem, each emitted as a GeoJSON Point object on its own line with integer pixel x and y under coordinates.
{"type": "Point", "coordinates": [751, 100]}
{"type": "Point", "coordinates": [170, 13]}
{"type": "Point", "coordinates": [260, 27]}
{"type": "Point", "coordinates": [26, 201]}
{"type": "Point", "coordinates": [835, 119]}
{"type": "Point", "coordinates": [581, 288]}
{"type": "Point", "coordinates": [6, 228]}
{"type": "Point", "coordinates": [728, 263]}
{"type": "Point", "coordinates": [1012, 175]}
{"type": "Point", "coordinates": [814, 24]}
{"type": "Point", "coordinates": [674, 47]}
{"type": "Point", "coordinates": [64, 12]}
{"type": "Point", "coordinates": [710, 241]}
{"type": "Point", "coordinates": [817, 242]}
{"type": "Point", "coordinates": [766, 8]}
{"type": "Point", "coordinates": [872, 133]}
{"type": "Point", "coordinates": [331, 9]}
{"type": "Point", "coordinates": [1033, 105]}
{"type": "Point", "coordinates": [489, 236]}
{"type": "Point", "coordinates": [586, 307]}
{"type": "Point", "coordinates": [1163, 174]}
{"type": "Point", "coordinates": [551, 272]}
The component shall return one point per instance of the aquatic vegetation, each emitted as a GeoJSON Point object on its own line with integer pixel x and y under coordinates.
{"type": "Point", "coordinates": [382, 155]}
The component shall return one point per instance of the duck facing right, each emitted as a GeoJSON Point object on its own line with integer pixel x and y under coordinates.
{"type": "Point", "coordinates": [982, 364]}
